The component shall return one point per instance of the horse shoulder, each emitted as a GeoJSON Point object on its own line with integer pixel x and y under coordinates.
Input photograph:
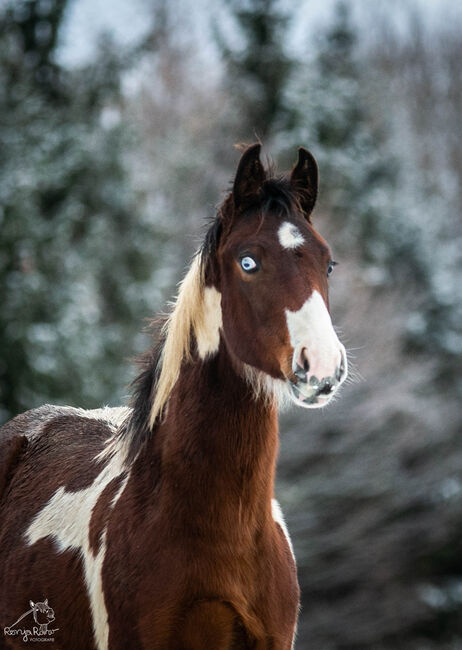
{"type": "Point", "coordinates": [19, 436]}
{"type": "Point", "coordinates": [14, 440]}
{"type": "Point", "coordinates": [12, 445]}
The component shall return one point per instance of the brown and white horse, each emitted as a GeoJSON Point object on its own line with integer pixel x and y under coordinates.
{"type": "Point", "coordinates": [155, 526]}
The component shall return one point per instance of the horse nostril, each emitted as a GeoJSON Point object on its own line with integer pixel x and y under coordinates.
{"type": "Point", "coordinates": [302, 366]}
{"type": "Point", "coordinates": [306, 363]}
{"type": "Point", "coordinates": [300, 373]}
{"type": "Point", "coordinates": [326, 389]}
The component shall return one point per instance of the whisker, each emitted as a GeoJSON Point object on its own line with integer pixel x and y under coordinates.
{"type": "Point", "coordinates": [354, 374]}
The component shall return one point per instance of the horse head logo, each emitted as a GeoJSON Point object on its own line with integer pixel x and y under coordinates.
{"type": "Point", "coordinates": [43, 614]}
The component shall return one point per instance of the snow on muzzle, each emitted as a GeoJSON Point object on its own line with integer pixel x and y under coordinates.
{"type": "Point", "coordinates": [319, 361]}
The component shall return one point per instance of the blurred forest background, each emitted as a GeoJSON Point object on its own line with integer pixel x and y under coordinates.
{"type": "Point", "coordinates": [111, 160]}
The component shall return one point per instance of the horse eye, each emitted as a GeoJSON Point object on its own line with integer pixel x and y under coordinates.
{"type": "Point", "coordinates": [248, 264]}
{"type": "Point", "coordinates": [330, 268]}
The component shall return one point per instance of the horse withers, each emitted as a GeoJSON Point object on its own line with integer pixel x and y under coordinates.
{"type": "Point", "coordinates": [155, 526]}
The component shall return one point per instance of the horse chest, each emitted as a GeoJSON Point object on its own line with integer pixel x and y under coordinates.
{"type": "Point", "coordinates": [259, 590]}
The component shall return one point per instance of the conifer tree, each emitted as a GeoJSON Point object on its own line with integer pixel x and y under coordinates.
{"type": "Point", "coordinates": [258, 69]}
{"type": "Point", "coordinates": [363, 190]}
{"type": "Point", "coordinates": [359, 174]}
{"type": "Point", "coordinates": [77, 252]}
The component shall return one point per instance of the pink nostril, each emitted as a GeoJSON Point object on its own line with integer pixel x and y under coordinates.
{"type": "Point", "coordinates": [302, 361]}
{"type": "Point", "coordinates": [320, 369]}
{"type": "Point", "coordinates": [302, 365]}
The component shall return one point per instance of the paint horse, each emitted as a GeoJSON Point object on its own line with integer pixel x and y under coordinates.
{"type": "Point", "coordinates": [155, 526]}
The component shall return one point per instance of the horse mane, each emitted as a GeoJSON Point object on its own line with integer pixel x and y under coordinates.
{"type": "Point", "coordinates": [186, 323]}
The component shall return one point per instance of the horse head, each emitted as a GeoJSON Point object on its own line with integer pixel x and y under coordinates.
{"type": "Point", "coordinates": [271, 268]}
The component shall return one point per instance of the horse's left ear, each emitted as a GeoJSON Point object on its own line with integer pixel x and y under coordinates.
{"type": "Point", "coordinates": [250, 176]}
{"type": "Point", "coordinates": [304, 181]}
{"type": "Point", "coordinates": [45, 602]}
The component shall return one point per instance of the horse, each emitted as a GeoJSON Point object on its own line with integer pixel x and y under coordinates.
{"type": "Point", "coordinates": [155, 525]}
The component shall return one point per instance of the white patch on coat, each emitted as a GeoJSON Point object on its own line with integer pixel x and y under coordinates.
{"type": "Point", "coordinates": [279, 519]}
{"type": "Point", "coordinates": [290, 236]}
{"type": "Point", "coordinates": [207, 328]}
{"type": "Point", "coordinates": [39, 417]}
{"type": "Point", "coordinates": [263, 385]}
{"type": "Point", "coordinates": [113, 415]}
{"type": "Point", "coordinates": [271, 390]}
{"type": "Point", "coordinates": [197, 313]}
{"type": "Point", "coordinates": [294, 635]}
{"type": "Point", "coordinates": [66, 518]}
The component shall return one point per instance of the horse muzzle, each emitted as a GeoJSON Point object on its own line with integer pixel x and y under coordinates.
{"type": "Point", "coordinates": [317, 378]}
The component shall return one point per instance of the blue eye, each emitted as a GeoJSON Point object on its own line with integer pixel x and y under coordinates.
{"type": "Point", "coordinates": [248, 264]}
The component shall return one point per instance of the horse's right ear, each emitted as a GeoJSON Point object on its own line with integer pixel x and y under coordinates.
{"type": "Point", "coordinates": [31, 603]}
{"type": "Point", "coordinates": [250, 176]}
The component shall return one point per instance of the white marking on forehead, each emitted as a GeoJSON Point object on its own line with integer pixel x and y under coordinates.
{"type": "Point", "coordinates": [290, 236]}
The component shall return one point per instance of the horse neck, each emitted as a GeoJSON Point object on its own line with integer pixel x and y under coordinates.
{"type": "Point", "coordinates": [217, 446]}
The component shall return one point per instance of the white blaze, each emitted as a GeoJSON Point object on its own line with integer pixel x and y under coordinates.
{"type": "Point", "coordinates": [289, 235]}
{"type": "Point", "coordinates": [311, 328]}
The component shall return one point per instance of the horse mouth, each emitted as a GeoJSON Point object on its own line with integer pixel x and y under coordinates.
{"type": "Point", "coordinates": [312, 394]}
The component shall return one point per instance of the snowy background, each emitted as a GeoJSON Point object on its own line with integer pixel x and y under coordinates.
{"type": "Point", "coordinates": [117, 125]}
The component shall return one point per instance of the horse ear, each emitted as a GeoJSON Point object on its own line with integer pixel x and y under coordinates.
{"type": "Point", "coordinates": [45, 602]}
{"type": "Point", "coordinates": [250, 176]}
{"type": "Point", "coordinates": [304, 180]}
{"type": "Point", "coordinates": [31, 603]}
